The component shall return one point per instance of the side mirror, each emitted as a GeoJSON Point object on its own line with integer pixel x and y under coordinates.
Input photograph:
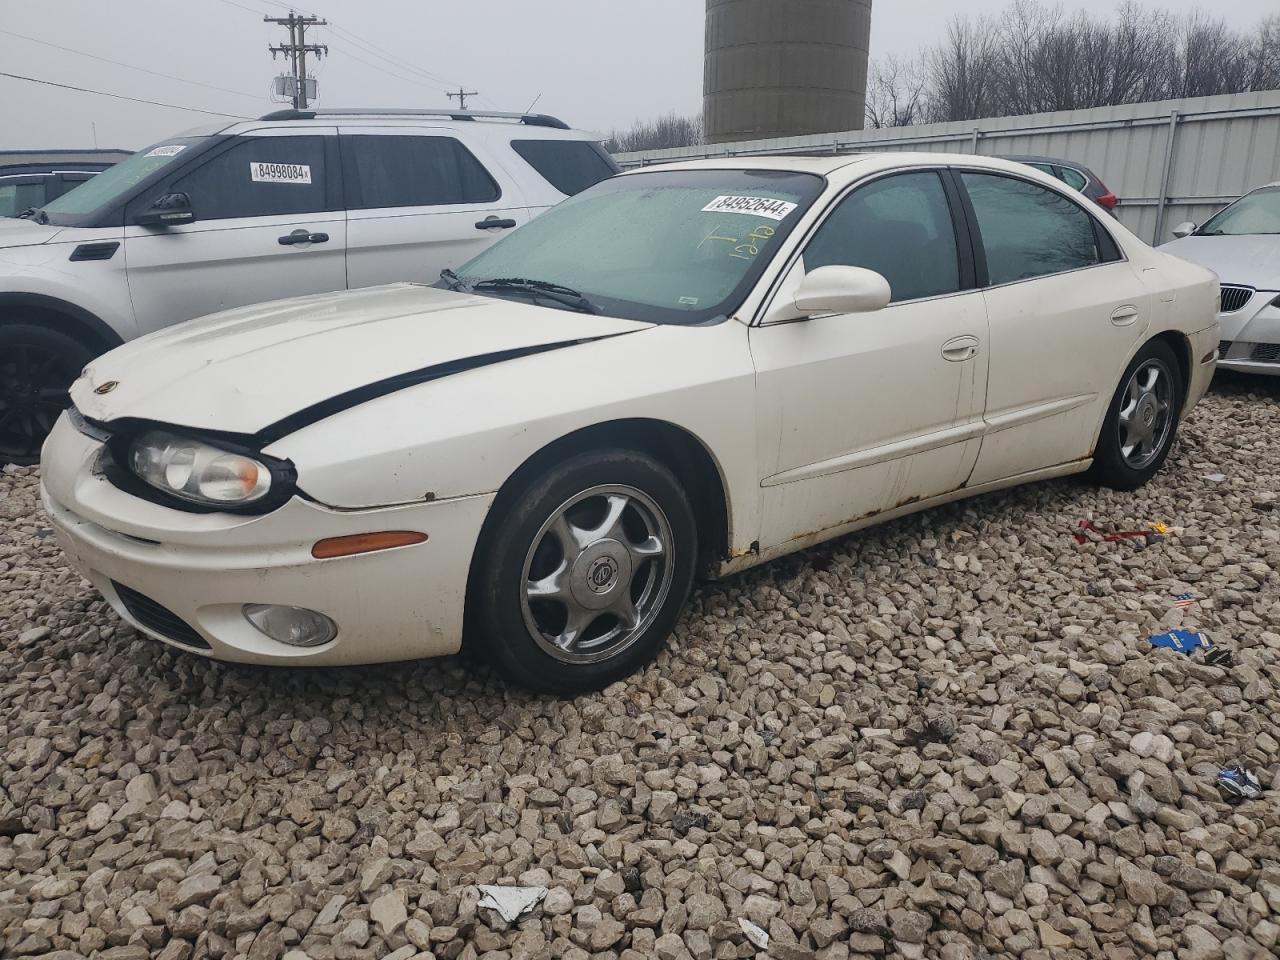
{"type": "Point", "coordinates": [1184, 229]}
{"type": "Point", "coordinates": [840, 289]}
{"type": "Point", "coordinates": [167, 211]}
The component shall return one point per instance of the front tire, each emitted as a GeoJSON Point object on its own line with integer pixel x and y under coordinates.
{"type": "Point", "coordinates": [584, 571]}
{"type": "Point", "coordinates": [37, 367]}
{"type": "Point", "coordinates": [1142, 420]}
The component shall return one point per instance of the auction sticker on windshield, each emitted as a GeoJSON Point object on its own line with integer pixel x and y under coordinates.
{"type": "Point", "coordinates": [279, 172]}
{"type": "Point", "coordinates": [169, 150]}
{"type": "Point", "coordinates": [752, 206]}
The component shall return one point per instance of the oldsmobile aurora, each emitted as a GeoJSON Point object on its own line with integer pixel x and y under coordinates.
{"type": "Point", "coordinates": [683, 370]}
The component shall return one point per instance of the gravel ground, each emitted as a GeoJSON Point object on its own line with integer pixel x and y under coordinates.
{"type": "Point", "coordinates": [945, 737]}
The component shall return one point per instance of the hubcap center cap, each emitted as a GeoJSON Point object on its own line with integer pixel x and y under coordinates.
{"type": "Point", "coordinates": [600, 573]}
{"type": "Point", "coordinates": [1147, 411]}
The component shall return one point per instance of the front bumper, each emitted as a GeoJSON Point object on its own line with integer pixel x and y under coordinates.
{"type": "Point", "coordinates": [1251, 336]}
{"type": "Point", "coordinates": [198, 570]}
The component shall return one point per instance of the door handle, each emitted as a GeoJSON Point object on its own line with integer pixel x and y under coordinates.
{"type": "Point", "coordinates": [1123, 316]}
{"type": "Point", "coordinates": [489, 223]}
{"type": "Point", "coordinates": [960, 349]}
{"type": "Point", "coordinates": [302, 236]}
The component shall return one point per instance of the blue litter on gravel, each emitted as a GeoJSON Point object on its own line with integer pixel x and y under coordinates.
{"type": "Point", "coordinates": [1182, 641]}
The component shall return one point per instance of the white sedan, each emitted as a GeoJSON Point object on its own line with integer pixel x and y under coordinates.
{"type": "Point", "coordinates": [685, 370]}
{"type": "Point", "coordinates": [1241, 243]}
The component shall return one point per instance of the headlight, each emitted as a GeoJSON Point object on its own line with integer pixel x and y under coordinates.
{"type": "Point", "coordinates": [198, 472]}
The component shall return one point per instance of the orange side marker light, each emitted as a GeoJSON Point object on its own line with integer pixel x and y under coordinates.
{"type": "Point", "coordinates": [365, 543]}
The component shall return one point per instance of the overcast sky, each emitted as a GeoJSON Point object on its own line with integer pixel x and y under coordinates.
{"type": "Point", "coordinates": [598, 64]}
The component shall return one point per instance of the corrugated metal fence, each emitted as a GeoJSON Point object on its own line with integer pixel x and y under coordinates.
{"type": "Point", "coordinates": [1169, 161]}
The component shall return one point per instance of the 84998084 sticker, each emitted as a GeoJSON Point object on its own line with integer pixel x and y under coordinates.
{"type": "Point", "coordinates": [279, 172]}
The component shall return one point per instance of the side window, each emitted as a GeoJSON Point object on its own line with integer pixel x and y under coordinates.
{"type": "Point", "coordinates": [396, 171]}
{"type": "Point", "coordinates": [17, 195]}
{"type": "Point", "coordinates": [259, 177]}
{"type": "Point", "coordinates": [1072, 178]}
{"type": "Point", "coordinates": [1028, 230]}
{"type": "Point", "coordinates": [901, 228]}
{"type": "Point", "coordinates": [568, 165]}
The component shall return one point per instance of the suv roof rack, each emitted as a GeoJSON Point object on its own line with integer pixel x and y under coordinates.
{"type": "Point", "coordinates": [529, 119]}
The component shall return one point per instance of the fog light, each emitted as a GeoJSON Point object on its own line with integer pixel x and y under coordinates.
{"type": "Point", "coordinates": [296, 626]}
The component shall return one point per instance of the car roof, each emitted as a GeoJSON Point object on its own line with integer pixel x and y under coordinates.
{"type": "Point", "coordinates": [829, 164]}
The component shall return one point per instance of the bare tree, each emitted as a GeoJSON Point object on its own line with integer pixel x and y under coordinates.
{"type": "Point", "coordinates": [1034, 58]}
{"type": "Point", "coordinates": [895, 93]}
{"type": "Point", "coordinates": [671, 130]}
{"type": "Point", "coordinates": [963, 71]}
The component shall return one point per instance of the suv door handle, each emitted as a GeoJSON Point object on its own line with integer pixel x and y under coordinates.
{"type": "Point", "coordinates": [1123, 316]}
{"type": "Point", "coordinates": [489, 223]}
{"type": "Point", "coordinates": [302, 236]}
{"type": "Point", "coordinates": [959, 349]}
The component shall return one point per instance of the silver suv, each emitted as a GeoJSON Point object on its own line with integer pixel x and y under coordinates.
{"type": "Point", "coordinates": [295, 203]}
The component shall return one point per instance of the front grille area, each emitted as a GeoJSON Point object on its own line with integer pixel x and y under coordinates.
{"type": "Point", "coordinates": [1223, 347]}
{"type": "Point", "coordinates": [155, 617]}
{"type": "Point", "coordinates": [1234, 298]}
{"type": "Point", "coordinates": [1265, 353]}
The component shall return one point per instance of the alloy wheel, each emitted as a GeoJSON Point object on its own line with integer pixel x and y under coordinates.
{"type": "Point", "coordinates": [33, 392]}
{"type": "Point", "coordinates": [597, 573]}
{"type": "Point", "coordinates": [1146, 414]}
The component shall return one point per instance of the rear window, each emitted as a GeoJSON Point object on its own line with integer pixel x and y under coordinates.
{"type": "Point", "coordinates": [568, 165]}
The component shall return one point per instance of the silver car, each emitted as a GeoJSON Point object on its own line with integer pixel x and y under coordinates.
{"type": "Point", "coordinates": [1241, 244]}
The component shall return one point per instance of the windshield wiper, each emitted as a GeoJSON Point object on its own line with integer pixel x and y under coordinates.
{"type": "Point", "coordinates": [34, 213]}
{"type": "Point", "coordinates": [561, 294]}
{"type": "Point", "coordinates": [453, 281]}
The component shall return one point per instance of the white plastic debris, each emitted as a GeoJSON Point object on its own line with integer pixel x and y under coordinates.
{"type": "Point", "coordinates": [1214, 477]}
{"type": "Point", "coordinates": [511, 902]}
{"type": "Point", "coordinates": [757, 936]}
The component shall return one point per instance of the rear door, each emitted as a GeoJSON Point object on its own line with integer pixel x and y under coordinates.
{"type": "Point", "coordinates": [419, 200]}
{"type": "Point", "coordinates": [1066, 312]}
{"type": "Point", "coordinates": [269, 225]}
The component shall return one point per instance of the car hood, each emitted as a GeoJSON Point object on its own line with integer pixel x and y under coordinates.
{"type": "Point", "coordinates": [250, 370]}
{"type": "Point", "coordinates": [1252, 261]}
{"type": "Point", "coordinates": [25, 233]}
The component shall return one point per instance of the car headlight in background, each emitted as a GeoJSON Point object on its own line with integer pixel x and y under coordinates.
{"type": "Point", "coordinates": [198, 472]}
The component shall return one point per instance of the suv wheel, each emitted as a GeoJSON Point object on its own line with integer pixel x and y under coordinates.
{"type": "Point", "coordinates": [37, 367]}
{"type": "Point", "coordinates": [582, 578]}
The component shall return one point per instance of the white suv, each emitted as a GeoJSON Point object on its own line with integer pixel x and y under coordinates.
{"type": "Point", "coordinates": [298, 202]}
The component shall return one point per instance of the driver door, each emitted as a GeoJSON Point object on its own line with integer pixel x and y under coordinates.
{"type": "Point", "coordinates": [270, 224]}
{"type": "Point", "coordinates": [858, 414]}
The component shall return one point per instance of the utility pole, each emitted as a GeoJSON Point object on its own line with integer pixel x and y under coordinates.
{"type": "Point", "coordinates": [297, 49]}
{"type": "Point", "coordinates": [461, 97]}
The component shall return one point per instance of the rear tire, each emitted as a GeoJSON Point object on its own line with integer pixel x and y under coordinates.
{"type": "Point", "coordinates": [581, 576]}
{"type": "Point", "coordinates": [1142, 420]}
{"type": "Point", "coordinates": [37, 367]}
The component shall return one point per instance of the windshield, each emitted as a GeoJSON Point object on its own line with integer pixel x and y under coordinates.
{"type": "Point", "coordinates": [665, 247]}
{"type": "Point", "coordinates": [1256, 212]}
{"type": "Point", "coordinates": [113, 183]}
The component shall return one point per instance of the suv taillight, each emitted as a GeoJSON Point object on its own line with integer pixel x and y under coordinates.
{"type": "Point", "coordinates": [1108, 201]}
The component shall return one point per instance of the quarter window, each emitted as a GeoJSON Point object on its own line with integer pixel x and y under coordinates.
{"type": "Point", "coordinates": [259, 177]}
{"type": "Point", "coordinates": [396, 171]}
{"type": "Point", "coordinates": [1072, 178]}
{"type": "Point", "coordinates": [1028, 230]}
{"type": "Point", "coordinates": [901, 228]}
{"type": "Point", "coordinates": [568, 165]}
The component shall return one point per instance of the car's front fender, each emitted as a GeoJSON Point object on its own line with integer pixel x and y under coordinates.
{"type": "Point", "coordinates": [468, 433]}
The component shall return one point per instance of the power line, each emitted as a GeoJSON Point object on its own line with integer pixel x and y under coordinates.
{"type": "Point", "coordinates": [129, 66]}
{"type": "Point", "coordinates": [121, 96]}
{"type": "Point", "coordinates": [389, 72]}
{"type": "Point", "coordinates": [461, 96]}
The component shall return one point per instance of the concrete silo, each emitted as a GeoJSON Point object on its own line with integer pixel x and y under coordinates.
{"type": "Point", "coordinates": [778, 68]}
